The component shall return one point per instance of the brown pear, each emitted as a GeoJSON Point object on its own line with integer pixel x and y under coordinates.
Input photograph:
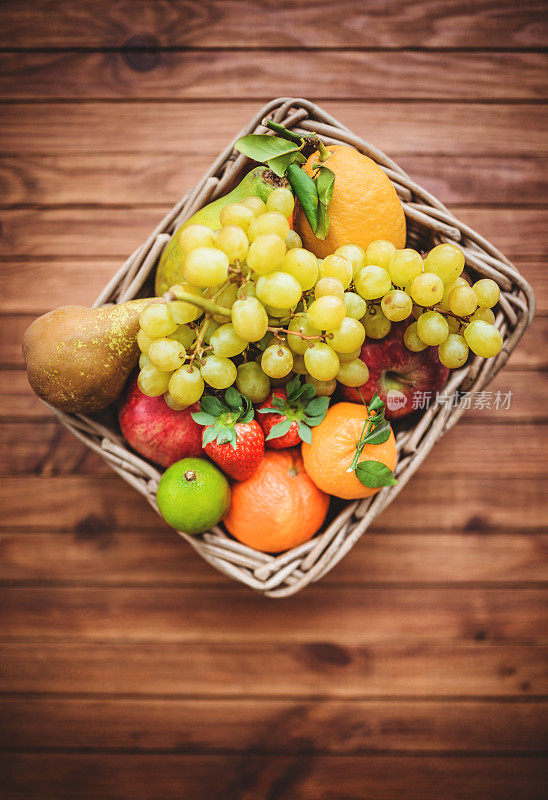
{"type": "Point", "coordinates": [78, 359]}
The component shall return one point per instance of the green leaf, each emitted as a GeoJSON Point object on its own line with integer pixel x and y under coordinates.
{"type": "Point", "coordinates": [293, 386]}
{"type": "Point", "coordinates": [248, 416]}
{"type": "Point", "coordinates": [263, 146]}
{"type": "Point", "coordinates": [375, 403]}
{"type": "Point", "coordinates": [211, 405]}
{"type": "Point", "coordinates": [325, 181]}
{"type": "Point", "coordinates": [282, 131]}
{"type": "Point", "coordinates": [379, 434]}
{"type": "Point", "coordinates": [280, 429]}
{"type": "Point", "coordinates": [313, 421]}
{"type": "Point", "coordinates": [268, 410]}
{"type": "Point", "coordinates": [317, 407]}
{"type": "Point", "coordinates": [304, 432]}
{"type": "Point", "coordinates": [306, 193]}
{"type": "Point", "coordinates": [209, 435]}
{"type": "Point", "coordinates": [309, 391]}
{"type": "Point", "coordinates": [202, 418]}
{"type": "Point", "coordinates": [280, 164]}
{"type": "Point", "coordinates": [374, 474]}
{"type": "Point", "coordinates": [234, 399]}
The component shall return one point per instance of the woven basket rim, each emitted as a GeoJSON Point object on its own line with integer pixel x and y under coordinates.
{"type": "Point", "coordinates": [283, 575]}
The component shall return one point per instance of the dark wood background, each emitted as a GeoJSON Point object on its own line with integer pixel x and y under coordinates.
{"type": "Point", "coordinates": [129, 668]}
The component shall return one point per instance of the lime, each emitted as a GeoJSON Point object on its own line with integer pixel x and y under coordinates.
{"type": "Point", "coordinates": [193, 495]}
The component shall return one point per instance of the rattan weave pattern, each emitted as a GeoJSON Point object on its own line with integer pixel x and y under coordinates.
{"type": "Point", "coordinates": [429, 222]}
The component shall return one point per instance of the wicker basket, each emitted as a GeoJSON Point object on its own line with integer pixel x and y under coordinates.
{"type": "Point", "coordinates": [429, 222]}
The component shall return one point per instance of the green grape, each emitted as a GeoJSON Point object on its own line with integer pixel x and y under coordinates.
{"type": "Point", "coordinates": [299, 367]}
{"type": "Point", "coordinates": [411, 339]}
{"type": "Point", "coordinates": [487, 292]}
{"type": "Point", "coordinates": [329, 286]}
{"type": "Point", "coordinates": [167, 354]}
{"type": "Point", "coordinates": [226, 343]}
{"type": "Point", "coordinates": [326, 313]}
{"type": "Point", "coordinates": [446, 261]}
{"type": "Point", "coordinates": [337, 267]}
{"type": "Point", "coordinates": [266, 253]}
{"type": "Point", "coordinates": [463, 301]}
{"type": "Point", "coordinates": [323, 388]}
{"type": "Point", "coordinates": [353, 253]}
{"type": "Point", "coordinates": [344, 358]}
{"type": "Point", "coordinates": [417, 311]}
{"type": "Point", "coordinates": [170, 403]}
{"type": "Point", "coordinates": [483, 339]}
{"type": "Point", "coordinates": [281, 200]}
{"type": "Point", "coordinates": [184, 335]}
{"type": "Point", "coordinates": [279, 289]}
{"type": "Point", "coordinates": [405, 266]}
{"type": "Point", "coordinates": [220, 373]}
{"type": "Point", "coordinates": [277, 361]}
{"type": "Point", "coordinates": [237, 214]}
{"type": "Point", "coordinates": [144, 340]}
{"type": "Point", "coordinates": [156, 320]}
{"type": "Point", "coordinates": [483, 314]}
{"type": "Point", "coordinates": [453, 352]}
{"type": "Point", "coordinates": [347, 337]}
{"type": "Point", "coordinates": [397, 305]}
{"type": "Point", "coordinates": [453, 324]}
{"type": "Point", "coordinates": [300, 324]}
{"type": "Point", "coordinates": [282, 315]}
{"type": "Point", "coordinates": [267, 224]}
{"type": "Point", "coordinates": [303, 265]}
{"type": "Point", "coordinates": [432, 327]}
{"type": "Point", "coordinates": [372, 282]}
{"type": "Point", "coordinates": [233, 241]}
{"type": "Point", "coordinates": [447, 289]}
{"type": "Point", "coordinates": [322, 362]}
{"type": "Point", "coordinates": [153, 381]}
{"type": "Point", "coordinates": [249, 319]}
{"type": "Point", "coordinates": [293, 240]}
{"type": "Point", "coordinates": [376, 325]}
{"type": "Point", "coordinates": [379, 253]}
{"type": "Point", "coordinates": [206, 266]}
{"type": "Point", "coordinates": [427, 289]}
{"type": "Point", "coordinates": [252, 382]}
{"type": "Point", "coordinates": [226, 298]}
{"type": "Point", "coordinates": [195, 236]}
{"type": "Point", "coordinates": [186, 385]}
{"type": "Point", "coordinates": [144, 360]}
{"type": "Point", "coordinates": [353, 373]}
{"type": "Point", "coordinates": [254, 204]}
{"type": "Point", "coordinates": [182, 311]}
{"type": "Point", "coordinates": [356, 306]}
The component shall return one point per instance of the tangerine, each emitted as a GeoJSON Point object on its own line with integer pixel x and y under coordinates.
{"type": "Point", "coordinates": [364, 206]}
{"type": "Point", "coordinates": [279, 506]}
{"type": "Point", "coordinates": [333, 447]}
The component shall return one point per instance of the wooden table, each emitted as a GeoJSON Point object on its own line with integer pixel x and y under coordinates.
{"type": "Point", "coordinates": [131, 669]}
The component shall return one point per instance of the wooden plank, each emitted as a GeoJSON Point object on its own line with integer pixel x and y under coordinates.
{"type": "Point", "coordinates": [394, 615]}
{"type": "Point", "coordinates": [17, 401]}
{"type": "Point", "coordinates": [250, 23]}
{"type": "Point", "coordinates": [121, 178]}
{"type": "Point", "coordinates": [105, 557]}
{"type": "Point", "coordinates": [484, 449]}
{"type": "Point", "coordinates": [53, 776]}
{"type": "Point", "coordinates": [295, 669]}
{"type": "Point", "coordinates": [433, 129]}
{"type": "Point", "coordinates": [283, 726]}
{"type": "Point", "coordinates": [117, 232]}
{"type": "Point", "coordinates": [224, 75]}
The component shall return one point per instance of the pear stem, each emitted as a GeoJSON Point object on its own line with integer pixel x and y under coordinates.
{"type": "Point", "coordinates": [202, 302]}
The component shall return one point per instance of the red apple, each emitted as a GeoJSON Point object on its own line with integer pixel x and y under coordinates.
{"type": "Point", "coordinates": [403, 380]}
{"type": "Point", "coordinates": [157, 432]}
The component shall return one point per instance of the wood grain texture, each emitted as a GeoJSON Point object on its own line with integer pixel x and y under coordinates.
{"type": "Point", "coordinates": [308, 777]}
{"type": "Point", "coordinates": [251, 23]}
{"type": "Point", "coordinates": [317, 74]}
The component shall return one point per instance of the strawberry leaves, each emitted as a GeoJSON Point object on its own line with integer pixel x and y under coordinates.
{"type": "Point", "coordinates": [219, 417]}
{"type": "Point", "coordinates": [300, 407]}
{"type": "Point", "coordinates": [376, 430]}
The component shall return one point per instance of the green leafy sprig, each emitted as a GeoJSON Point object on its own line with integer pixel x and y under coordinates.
{"type": "Point", "coordinates": [283, 155]}
{"type": "Point", "coordinates": [301, 406]}
{"type": "Point", "coordinates": [376, 430]}
{"type": "Point", "coordinates": [220, 416]}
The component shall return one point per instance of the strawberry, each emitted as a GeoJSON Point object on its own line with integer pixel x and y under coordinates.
{"type": "Point", "coordinates": [288, 414]}
{"type": "Point", "coordinates": [232, 438]}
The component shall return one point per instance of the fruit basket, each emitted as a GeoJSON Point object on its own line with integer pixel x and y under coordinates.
{"type": "Point", "coordinates": [428, 223]}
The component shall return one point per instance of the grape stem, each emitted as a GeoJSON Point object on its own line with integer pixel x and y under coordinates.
{"type": "Point", "coordinates": [198, 349]}
{"type": "Point", "coordinates": [204, 303]}
{"type": "Point", "coordinates": [301, 335]}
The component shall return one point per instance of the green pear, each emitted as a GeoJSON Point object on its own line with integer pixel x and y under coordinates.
{"type": "Point", "coordinates": [78, 359]}
{"type": "Point", "coordinates": [260, 182]}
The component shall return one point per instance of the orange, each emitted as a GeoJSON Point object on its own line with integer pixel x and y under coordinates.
{"type": "Point", "coordinates": [333, 447]}
{"type": "Point", "coordinates": [364, 206]}
{"type": "Point", "coordinates": [279, 506]}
